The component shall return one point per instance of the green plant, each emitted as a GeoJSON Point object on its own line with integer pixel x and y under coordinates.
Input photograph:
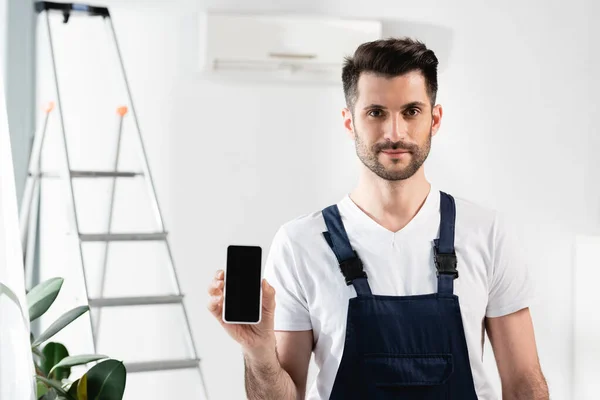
{"type": "Point", "coordinates": [104, 381]}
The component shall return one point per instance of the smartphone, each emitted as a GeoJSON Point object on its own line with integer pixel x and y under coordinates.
{"type": "Point", "coordinates": [242, 293]}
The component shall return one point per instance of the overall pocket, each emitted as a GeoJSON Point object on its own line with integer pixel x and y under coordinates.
{"type": "Point", "coordinates": [408, 376]}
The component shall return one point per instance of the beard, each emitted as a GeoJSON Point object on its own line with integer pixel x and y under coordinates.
{"type": "Point", "coordinates": [370, 158]}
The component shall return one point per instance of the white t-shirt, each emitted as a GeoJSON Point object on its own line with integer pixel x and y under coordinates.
{"type": "Point", "coordinates": [311, 292]}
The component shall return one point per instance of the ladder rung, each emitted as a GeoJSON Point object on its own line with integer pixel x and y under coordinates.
{"type": "Point", "coordinates": [116, 237]}
{"type": "Point", "coordinates": [104, 174]}
{"type": "Point", "coordinates": [165, 365]}
{"type": "Point", "coordinates": [135, 301]}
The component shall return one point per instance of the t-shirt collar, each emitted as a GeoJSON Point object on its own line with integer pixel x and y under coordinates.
{"type": "Point", "coordinates": [361, 226]}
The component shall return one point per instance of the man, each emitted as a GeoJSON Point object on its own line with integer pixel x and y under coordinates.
{"type": "Point", "coordinates": [392, 287]}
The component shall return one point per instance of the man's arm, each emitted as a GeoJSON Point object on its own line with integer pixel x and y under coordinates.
{"type": "Point", "coordinates": [280, 373]}
{"type": "Point", "coordinates": [513, 340]}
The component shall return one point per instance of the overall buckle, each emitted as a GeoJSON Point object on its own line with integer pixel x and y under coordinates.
{"type": "Point", "coordinates": [352, 269]}
{"type": "Point", "coordinates": [446, 263]}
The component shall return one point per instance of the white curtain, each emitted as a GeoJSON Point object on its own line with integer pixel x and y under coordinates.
{"type": "Point", "coordinates": [16, 366]}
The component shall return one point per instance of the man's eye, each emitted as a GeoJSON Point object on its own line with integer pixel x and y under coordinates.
{"type": "Point", "coordinates": [375, 113]}
{"type": "Point", "coordinates": [413, 112]}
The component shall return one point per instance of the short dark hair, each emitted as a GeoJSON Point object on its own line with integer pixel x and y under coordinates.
{"type": "Point", "coordinates": [389, 58]}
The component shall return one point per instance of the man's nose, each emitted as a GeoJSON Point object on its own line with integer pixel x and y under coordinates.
{"type": "Point", "coordinates": [397, 129]}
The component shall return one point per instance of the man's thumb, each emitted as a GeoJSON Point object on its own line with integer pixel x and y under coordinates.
{"type": "Point", "coordinates": [268, 295]}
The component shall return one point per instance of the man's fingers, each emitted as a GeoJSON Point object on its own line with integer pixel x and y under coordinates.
{"type": "Point", "coordinates": [216, 287]}
{"type": "Point", "coordinates": [215, 305]}
{"type": "Point", "coordinates": [215, 291]}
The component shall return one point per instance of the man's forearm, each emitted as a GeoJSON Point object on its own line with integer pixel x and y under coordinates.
{"type": "Point", "coordinates": [266, 380]}
{"type": "Point", "coordinates": [530, 387]}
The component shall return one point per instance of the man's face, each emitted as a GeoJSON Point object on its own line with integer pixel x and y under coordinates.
{"type": "Point", "coordinates": [392, 124]}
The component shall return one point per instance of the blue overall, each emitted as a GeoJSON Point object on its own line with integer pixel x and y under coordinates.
{"type": "Point", "coordinates": [402, 347]}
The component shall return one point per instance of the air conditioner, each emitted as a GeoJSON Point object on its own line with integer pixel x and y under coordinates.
{"type": "Point", "coordinates": [280, 47]}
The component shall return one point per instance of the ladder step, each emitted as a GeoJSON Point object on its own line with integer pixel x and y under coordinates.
{"type": "Point", "coordinates": [104, 174]}
{"type": "Point", "coordinates": [43, 174]}
{"type": "Point", "coordinates": [119, 237]}
{"type": "Point", "coordinates": [135, 301]}
{"type": "Point", "coordinates": [165, 365]}
{"type": "Point", "coordinates": [66, 9]}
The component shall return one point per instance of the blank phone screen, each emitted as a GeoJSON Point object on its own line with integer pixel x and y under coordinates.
{"type": "Point", "coordinates": [242, 284]}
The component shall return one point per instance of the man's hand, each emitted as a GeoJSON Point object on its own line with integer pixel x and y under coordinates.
{"type": "Point", "coordinates": [265, 378]}
{"type": "Point", "coordinates": [255, 339]}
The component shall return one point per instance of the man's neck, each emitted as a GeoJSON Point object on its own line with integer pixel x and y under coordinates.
{"type": "Point", "coordinates": [392, 204]}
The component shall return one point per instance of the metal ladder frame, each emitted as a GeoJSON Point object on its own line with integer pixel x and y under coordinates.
{"type": "Point", "coordinates": [31, 201]}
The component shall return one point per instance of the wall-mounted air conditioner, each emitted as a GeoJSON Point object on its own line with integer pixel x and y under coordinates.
{"type": "Point", "coordinates": [280, 47]}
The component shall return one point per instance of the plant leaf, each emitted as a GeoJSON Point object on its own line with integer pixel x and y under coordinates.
{"type": "Point", "coordinates": [54, 353]}
{"type": "Point", "coordinates": [40, 390]}
{"type": "Point", "coordinates": [78, 360]}
{"type": "Point", "coordinates": [50, 395]}
{"type": "Point", "coordinates": [56, 385]}
{"type": "Point", "coordinates": [73, 389]}
{"type": "Point", "coordinates": [41, 297]}
{"type": "Point", "coordinates": [82, 388]}
{"type": "Point", "coordinates": [13, 297]}
{"type": "Point", "coordinates": [60, 323]}
{"type": "Point", "coordinates": [106, 381]}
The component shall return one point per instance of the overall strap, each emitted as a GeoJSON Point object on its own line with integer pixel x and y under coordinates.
{"type": "Point", "coordinates": [350, 264]}
{"type": "Point", "coordinates": [444, 254]}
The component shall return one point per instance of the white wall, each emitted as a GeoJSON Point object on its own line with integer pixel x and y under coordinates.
{"type": "Point", "coordinates": [231, 160]}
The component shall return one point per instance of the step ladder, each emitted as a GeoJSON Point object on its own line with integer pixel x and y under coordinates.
{"type": "Point", "coordinates": [29, 212]}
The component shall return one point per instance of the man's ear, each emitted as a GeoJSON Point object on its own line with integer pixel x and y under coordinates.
{"type": "Point", "coordinates": [436, 119]}
{"type": "Point", "coordinates": [348, 122]}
